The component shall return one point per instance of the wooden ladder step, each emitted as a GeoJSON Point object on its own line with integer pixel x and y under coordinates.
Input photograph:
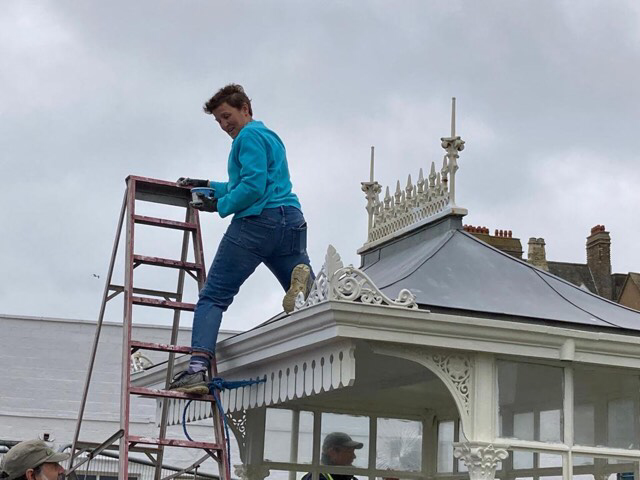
{"type": "Point", "coordinates": [163, 222]}
{"type": "Point", "coordinates": [170, 442]}
{"type": "Point", "coordinates": [165, 262]}
{"type": "Point", "coordinates": [152, 392]}
{"type": "Point", "coordinates": [153, 302]}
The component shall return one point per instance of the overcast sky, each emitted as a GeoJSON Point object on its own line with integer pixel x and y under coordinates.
{"type": "Point", "coordinates": [90, 92]}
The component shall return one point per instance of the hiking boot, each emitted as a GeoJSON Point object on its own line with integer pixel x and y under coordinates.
{"type": "Point", "coordinates": [190, 383]}
{"type": "Point", "coordinates": [300, 282]}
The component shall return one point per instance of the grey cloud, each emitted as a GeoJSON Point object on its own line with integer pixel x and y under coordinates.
{"type": "Point", "coordinates": [95, 92]}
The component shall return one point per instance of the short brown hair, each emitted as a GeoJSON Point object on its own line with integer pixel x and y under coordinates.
{"type": "Point", "coordinates": [233, 94]}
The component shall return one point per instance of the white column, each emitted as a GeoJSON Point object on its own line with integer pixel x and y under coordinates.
{"type": "Point", "coordinates": [484, 400]}
{"type": "Point", "coordinates": [480, 459]}
{"type": "Point", "coordinates": [567, 462]}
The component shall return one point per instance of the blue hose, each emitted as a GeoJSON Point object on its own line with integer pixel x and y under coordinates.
{"type": "Point", "coordinates": [215, 386]}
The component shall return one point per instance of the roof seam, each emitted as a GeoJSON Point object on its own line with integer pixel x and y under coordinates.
{"type": "Point", "coordinates": [570, 302]}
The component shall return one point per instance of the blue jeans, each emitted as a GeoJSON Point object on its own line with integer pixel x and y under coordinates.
{"type": "Point", "coordinates": [277, 237]}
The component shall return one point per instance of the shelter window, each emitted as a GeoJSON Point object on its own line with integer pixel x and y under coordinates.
{"type": "Point", "coordinates": [357, 427]}
{"type": "Point", "coordinates": [530, 403]}
{"type": "Point", "coordinates": [391, 447]}
{"type": "Point", "coordinates": [288, 436]}
{"type": "Point", "coordinates": [449, 432]}
{"type": "Point", "coordinates": [606, 405]}
{"type": "Point", "coordinates": [590, 468]}
{"type": "Point", "coordinates": [399, 445]}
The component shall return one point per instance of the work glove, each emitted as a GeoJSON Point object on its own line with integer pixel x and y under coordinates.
{"type": "Point", "coordinates": [205, 204]}
{"type": "Point", "coordinates": [192, 182]}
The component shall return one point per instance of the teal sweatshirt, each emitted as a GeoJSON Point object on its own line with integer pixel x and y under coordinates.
{"type": "Point", "coordinates": [258, 174]}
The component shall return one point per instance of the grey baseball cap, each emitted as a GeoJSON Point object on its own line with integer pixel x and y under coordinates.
{"type": "Point", "coordinates": [339, 439]}
{"type": "Point", "coordinates": [26, 455]}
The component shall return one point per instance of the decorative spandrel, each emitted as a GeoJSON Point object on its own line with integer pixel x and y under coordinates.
{"type": "Point", "coordinates": [415, 204]}
{"type": "Point", "coordinates": [337, 282]}
{"type": "Point", "coordinates": [237, 422]}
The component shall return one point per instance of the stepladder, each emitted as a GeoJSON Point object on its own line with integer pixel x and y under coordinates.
{"type": "Point", "coordinates": [188, 266]}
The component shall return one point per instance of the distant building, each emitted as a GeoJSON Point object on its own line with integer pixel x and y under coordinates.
{"type": "Point", "coordinates": [594, 275]}
{"type": "Point", "coordinates": [44, 363]}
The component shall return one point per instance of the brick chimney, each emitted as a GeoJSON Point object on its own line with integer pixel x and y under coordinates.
{"type": "Point", "coordinates": [599, 260]}
{"type": "Point", "coordinates": [503, 240]}
{"type": "Point", "coordinates": [537, 256]}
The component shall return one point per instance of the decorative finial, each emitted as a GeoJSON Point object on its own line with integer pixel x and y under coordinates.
{"type": "Point", "coordinates": [371, 169]}
{"type": "Point", "coordinates": [372, 190]}
{"type": "Point", "coordinates": [453, 117]}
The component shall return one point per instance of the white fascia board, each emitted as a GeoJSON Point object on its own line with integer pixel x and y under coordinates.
{"type": "Point", "coordinates": [333, 320]}
{"type": "Point", "coordinates": [328, 320]}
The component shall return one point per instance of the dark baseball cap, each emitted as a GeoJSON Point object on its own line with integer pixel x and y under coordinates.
{"type": "Point", "coordinates": [26, 455]}
{"type": "Point", "coordinates": [339, 439]}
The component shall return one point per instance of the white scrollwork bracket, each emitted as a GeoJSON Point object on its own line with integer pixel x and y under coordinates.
{"type": "Point", "coordinates": [337, 282]}
{"type": "Point", "coordinates": [140, 362]}
{"type": "Point", "coordinates": [237, 422]}
{"type": "Point", "coordinates": [481, 460]}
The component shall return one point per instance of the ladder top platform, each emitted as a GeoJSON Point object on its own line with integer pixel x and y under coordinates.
{"type": "Point", "coordinates": [159, 191]}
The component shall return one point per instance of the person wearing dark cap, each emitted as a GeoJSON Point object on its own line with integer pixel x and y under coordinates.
{"type": "Point", "coordinates": [338, 449]}
{"type": "Point", "coordinates": [32, 460]}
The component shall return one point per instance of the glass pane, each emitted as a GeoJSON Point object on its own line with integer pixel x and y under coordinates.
{"type": "Point", "coordinates": [606, 404]}
{"type": "Point", "coordinates": [580, 460]}
{"type": "Point", "coordinates": [620, 427]}
{"type": "Point", "coordinates": [523, 428]}
{"type": "Point", "coordinates": [590, 468]}
{"type": "Point", "coordinates": [305, 437]}
{"type": "Point", "coordinates": [584, 424]}
{"type": "Point", "coordinates": [445, 446]}
{"type": "Point", "coordinates": [345, 440]}
{"type": "Point", "coordinates": [549, 460]}
{"type": "Point", "coordinates": [525, 388]}
{"type": "Point", "coordinates": [399, 445]}
{"type": "Point", "coordinates": [550, 426]}
{"type": "Point", "coordinates": [277, 435]}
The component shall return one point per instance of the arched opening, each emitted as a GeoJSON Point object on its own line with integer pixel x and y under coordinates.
{"type": "Point", "coordinates": [400, 414]}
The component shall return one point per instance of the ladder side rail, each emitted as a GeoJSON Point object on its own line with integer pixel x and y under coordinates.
{"type": "Point", "coordinates": [198, 250]}
{"type": "Point", "coordinates": [218, 420]}
{"type": "Point", "coordinates": [96, 338]}
{"type": "Point", "coordinates": [174, 339]}
{"type": "Point", "coordinates": [218, 425]}
{"type": "Point", "coordinates": [125, 401]}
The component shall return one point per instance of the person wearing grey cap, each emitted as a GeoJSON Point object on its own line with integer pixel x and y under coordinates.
{"type": "Point", "coordinates": [32, 460]}
{"type": "Point", "coordinates": [338, 449]}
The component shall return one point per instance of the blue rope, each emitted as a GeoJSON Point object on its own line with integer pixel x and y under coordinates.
{"type": "Point", "coordinates": [216, 385]}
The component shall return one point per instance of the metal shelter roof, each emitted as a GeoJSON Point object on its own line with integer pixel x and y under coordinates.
{"type": "Point", "coordinates": [449, 268]}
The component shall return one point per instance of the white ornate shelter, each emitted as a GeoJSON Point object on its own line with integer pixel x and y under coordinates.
{"type": "Point", "coordinates": [445, 357]}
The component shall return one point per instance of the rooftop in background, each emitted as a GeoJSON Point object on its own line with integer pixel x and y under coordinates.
{"type": "Point", "coordinates": [416, 241]}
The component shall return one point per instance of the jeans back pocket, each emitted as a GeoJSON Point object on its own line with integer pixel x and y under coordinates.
{"type": "Point", "coordinates": [299, 239]}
